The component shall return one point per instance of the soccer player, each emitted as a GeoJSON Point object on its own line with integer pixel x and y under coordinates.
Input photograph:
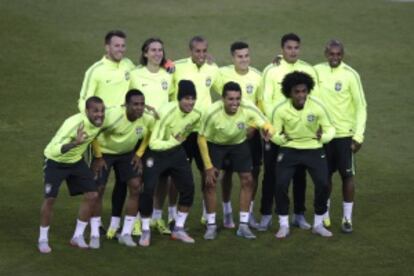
{"type": "Point", "coordinates": [223, 136]}
{"type": "Point", "coordinates": [343, 96]}
{"type": "Point", "coordinates": [63, 161]}
{"type": "Point", "coordinates": [114, 147]}
{"type": "Point", "coordinates": [109, 79]}
{"type": "Point", "coordinates": [155, 82]}
{"type": "Point", "coordinates": [302, 125]}
{"type": "Point", "coordinates": [271, 96]}
{"type": "Point", "coordinates": [166, 154]}
{"type": "Point", "coordinates": [249, 79]}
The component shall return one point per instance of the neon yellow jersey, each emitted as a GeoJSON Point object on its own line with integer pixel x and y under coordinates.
{"type": "Point", "coordinates": [249, 83]}
{"type": "Point", "coordinates": [121, 135]}
{"type": "Point", "coordinates": [203, 79]}
{"type": "Point", "coordinates": [297, 128]}
{"type": "Point", "coordinates": [173, 123]}
{"type": "Point", "coordinates": [220, 128]}
{"type": "Point", "coordinates": [273, 76]}
{"type": "Point", "coordinates": [341, 92]}
{"type": "Point", "coordinates": [108, 80]}
{"type": "Point", "coordinates": [67, 134]}
{"type": "Point", "coordinates": [157, 87]}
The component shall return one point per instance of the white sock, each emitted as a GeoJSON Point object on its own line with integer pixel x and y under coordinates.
{"type": "Point", "coordinates": [180, 219]}
{"type": "Point", "coordinates": [95, 223]}
{"type": "Point", "coordinates": [172, 212]}
{"type": "Point", "coordinates": [204, 210]}
{"type": "Point", "coordinates": [227, 207]}
{"type": "Point", "coordinates": [115, 221]}
{"type": "Point", "coordinates": [251, 208]}
{"type": "Point", "coordinates": [211, 218]}
{"type": "Point", "coordinates": [284, 220]}
{"type": "Point", "coordinates": [347, 206]}
{"type": "Point", "coordinates": [244, 217]}
{"type": "Point", "coordinates": [145, 224]}
{"type": "Point", "coordinates": [80, 228]}
{"type": "Point", "coordinates": [328, 204]}
{"type": "Point", "coordinates": [43, 233]}
{"type": "Point", "coordinates": [156, 214]}
{"type": "Point", "coordinates": [128, 224]}
{"type": "Point", "coordinates": [318, 220]}
{"type": "Point", "coordinates": [138, 216]}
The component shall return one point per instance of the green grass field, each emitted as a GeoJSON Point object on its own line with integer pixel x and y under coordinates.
{"type": "Point", "coordinates": [46, 46]}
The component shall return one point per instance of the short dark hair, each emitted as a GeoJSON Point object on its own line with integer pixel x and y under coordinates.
{"type": "Point", "coordinates": [92, 100]}
{"type": "Point", "coordinates": [238, 45]}
{"type": "Point", "coordinates": [334, 43]}
{"type": "Point", "coordinates": [230, 86]}
{"type": "Point", "coordinates": [113, 33]}
{"type": "Point", "coordinates": [196, 39]}
{"type": "Point", "coordinates": [144, 49]}
{"type": "Point", "coordinates": [289, 36]}
{"type": "Point", "coordinates": [296, 78]}
{"type": "Point", "coordinates": [131, 93]}
{"type": "Point", "coordinates": [186, 88]}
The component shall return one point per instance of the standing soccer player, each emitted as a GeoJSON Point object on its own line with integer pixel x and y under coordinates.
{"type": "Point", "coordinates": [167, 155]}
{"type": "Point", "coordinates": [271, 96]}
{"type": "Point", "coordinates": [302, 125]}
{"type": "Point", "coordinates": [343, 96]}
{"type": "Point", "coordinates": [223, 136]}
{"type": "Point", "coordinates": [249, 79]}
{"type": "Point", "coordinates": [63, 161]}
{"type": "Point", "coordinates": [114, 147]}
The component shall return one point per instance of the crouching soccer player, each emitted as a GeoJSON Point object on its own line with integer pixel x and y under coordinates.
{"type": "Point", "coordinates": [223, 136]}
{"type": "Point", "coordinates": [114, 147]}
{"type": "Point", "coordinates": [64, 161]}
{"type": "Point", "coordinates": [302, 125]}
{"type": "Point", "coordinates": [167, 155]}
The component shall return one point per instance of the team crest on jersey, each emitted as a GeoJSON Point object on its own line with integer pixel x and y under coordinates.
{"type": "Point", "coordinates": [139, 130]}
{"type": "Point", "coordinates": [150, 162]}
{"type": "Point", "coordinates": [311, 118]}
{"type": "Point", "coordinates": [208, 81]}
{"type": "Point", "coordinates": [280, 157]}
{"type": "Point", "coordinates": [48, 188]}
{"type": "Point", "coordinates": [127, 76]}
{"type": "Point", "coordinates": [241, 125]}
{"type": "Point", "coordinates": [249, 89]}
{"type": "Point", "coordinates": [338, 86]}
{"type": "Point", "coordinates": [164, 85]}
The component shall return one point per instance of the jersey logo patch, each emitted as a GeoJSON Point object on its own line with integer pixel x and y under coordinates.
{"type": "Point", "coordinates": [311, 118]}
{"type": "Point", "coordinates": [126, 76]}
{"type": "Point", "coordinates": [338, 86]}
{"type": "Point", "coordinates": [139, 130]}
{"type": "Point", "coordinates": [280, 157]}
{"type": "Point", "coordinates": [249, 89]}
{"type": "Point", "coordinates": [241, 125]}
{"type": "Point", "coordinates": [150, 162]}
{"type": "Point", "coordinates": [48, 188]}
{"type": "Point", "coordinates": [164, 85]}
{"type": "Point", "coordinates": [208, 81]}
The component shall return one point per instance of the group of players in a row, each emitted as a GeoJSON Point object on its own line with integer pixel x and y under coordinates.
{"type": "Point", "coordinates": [149, 122]}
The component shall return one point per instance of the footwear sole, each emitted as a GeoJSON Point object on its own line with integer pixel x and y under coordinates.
{"type": "Point", "coordinates": [77, 246]}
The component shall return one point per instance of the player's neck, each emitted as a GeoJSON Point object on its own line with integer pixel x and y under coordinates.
{"type": "Point", "coordinates": [153, 68]}
{"type": "Point", "coordinates": [241, 71]}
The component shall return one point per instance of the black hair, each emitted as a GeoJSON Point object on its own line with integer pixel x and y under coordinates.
{"type": "Point", "coordinates": [91, 100]}
{"type": "Point", "coordinates": [196, 39]}
{"type": "Point", "coordinates": [230, 86]}
{"type": "Point", "coordinates": [296, 78]}
{"type": "Point", "coordinates": [186, 88]}
{"type": "Point", "coordinates": [289, 36]}
{"type": "Point", "coordinates": [131, 93]}
{"type": "Point", "coordinates": [144, 49]}
{"type": "Point", "coordinates": [238, 45]}
{"type": "Point", "coordinates": [113, 33]}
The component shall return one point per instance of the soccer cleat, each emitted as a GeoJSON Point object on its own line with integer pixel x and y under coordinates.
{"type": "Point", "coordinates": [228, 221]}
{"type": "Point", "coordinates": [245, 232]}
{"type": "Point", "coordinates": [321, 231]}
{"type": "Point", "coordinates": [327, 222]}
{"type": "Point", "coordinates": [181, 235]}
{"type": "Point", "coordinates": [44, 247]}
{"type": "Point", "coordinates": [283, 232]}
{"type": "Point", "coordinates": [346, 226]}
{"type": "Point", "coordinates": [79, 242]}
{"type": "Point", "coordinates": [211, 232]}
{"type": "Point", "coordinates": [203, 221]}
{"type": "Point", "coordinates": [145, 238]}
{"type": "Point", "coordinates": [252, 221]}
{"type": "Point", "coordinates": [126, 240]}
{"type": "Point", "coordinates": [136, 231]}
{"type": "Point", "coordinates": [300, 221]}
{"type": "Point", "coordinates": [265, 223]}
{"type": "Point", "coordinates": [111, 233]}
{"type": "Point", "coordinates": [161, 227]}
{"type": "Point", "coordinates": [94, 243]}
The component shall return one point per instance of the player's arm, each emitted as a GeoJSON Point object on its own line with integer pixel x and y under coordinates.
{"type": "Point", "coordinates": [267, 92]}
{"type": "Point", "coordinates": [211, 172]}
{"type": "Point", "coordinates": [79, 139]}
{"type": "Point", "coordinates": [360, 105]}
{"type": "Point", "coordinates": [99, 162]}
{"type": "Point", "coordinates": [160, 139]}
{"type": "Point", "coordinates": [89, 85]}
{"type": "Point", "coordinates": [326, 132]}
{"type": "Point", "coordinates": [218, 84]}
{"type": "Point", "coordinates": [279, 136]}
